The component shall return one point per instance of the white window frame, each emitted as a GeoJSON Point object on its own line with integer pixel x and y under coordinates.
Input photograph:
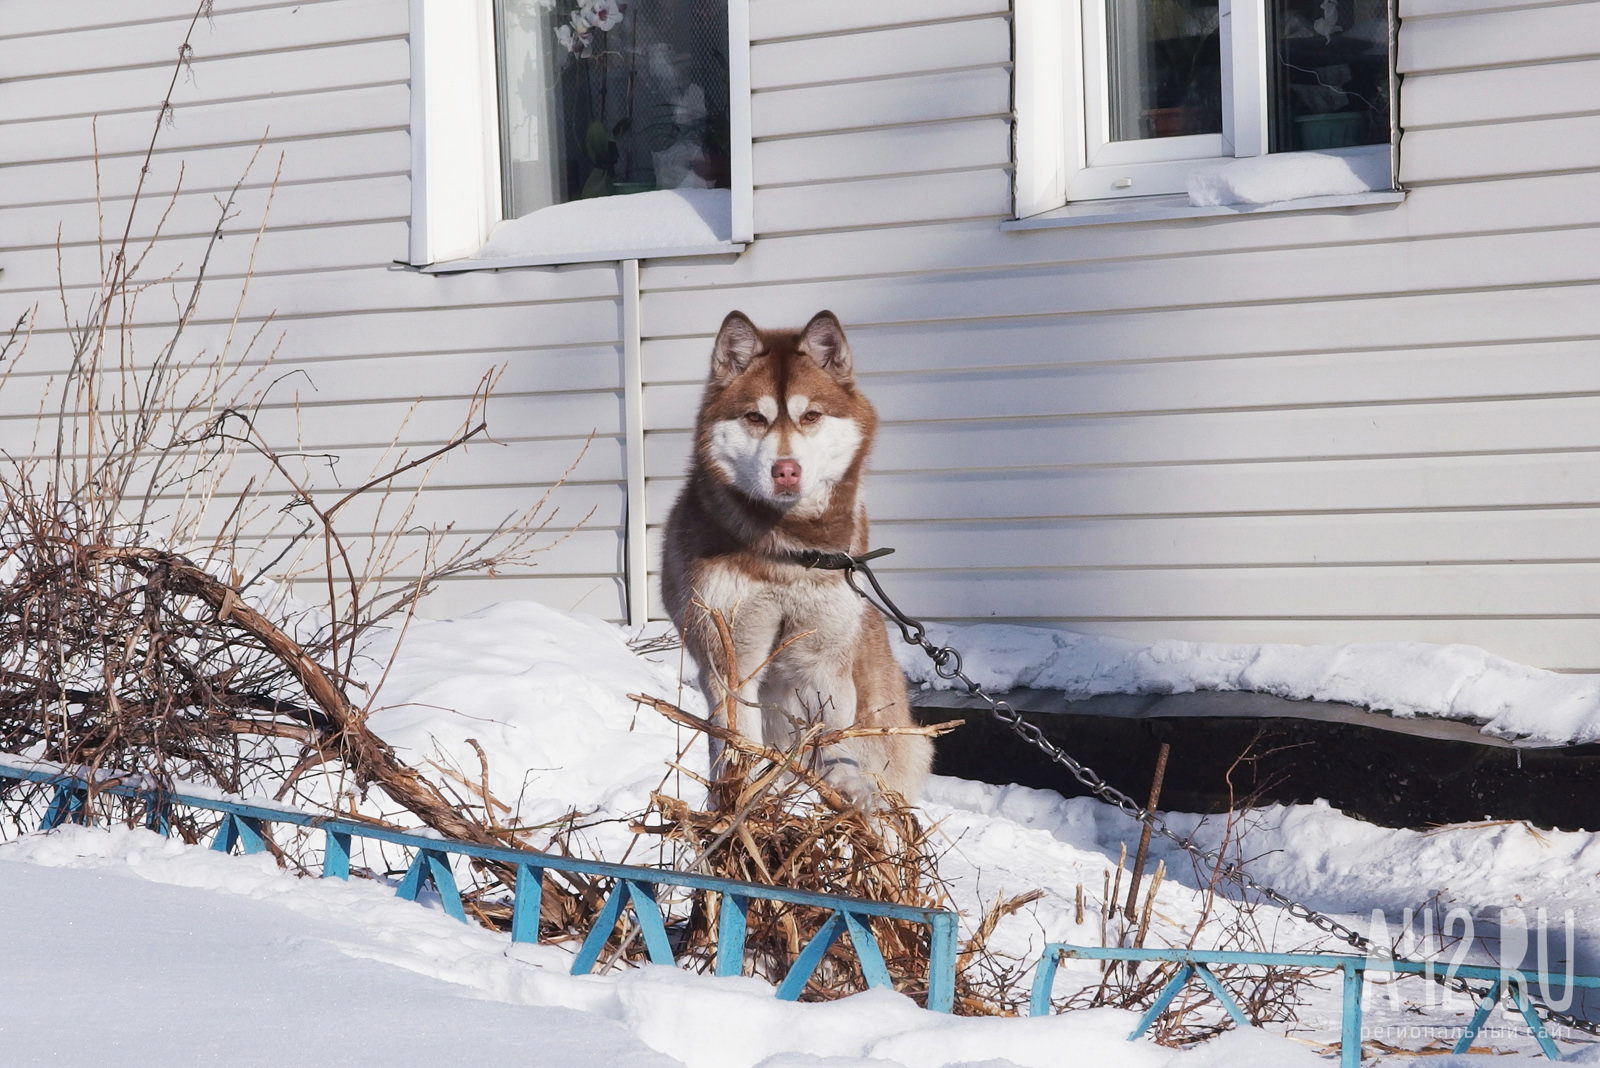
{"type": "Point", "coordinates": [1063, 151]}
{"type": "Point", "coordinates": [455, 142]}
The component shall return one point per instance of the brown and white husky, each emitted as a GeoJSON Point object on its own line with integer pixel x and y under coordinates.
{"type": "Point", "coordinates": [780, 444]}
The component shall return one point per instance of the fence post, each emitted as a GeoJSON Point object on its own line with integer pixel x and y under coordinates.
{"type": "Point", "coordinates": [239, 830]}
{"type": "Point", "coordinates": [942, 963]}
{"type": "Point", "coordinates": [66, 804]}
{"type": "Point", "coordinates": [158, 817]}
{"type": "Point", "coordinates": [600, 933]}
{"type": "Point", "coordinates": [868, 955]}
{"type": "Point", "coordinates": [433, 865]}
{"type": "Point", "coordinates": [336, 855]}
{"type": "Point", "coordinates": [651, 926]}
{"type": "Point", "coordinates": [527, 902]}
{"type": "Point", "coordinates": [811, 956]}
{"type": "Point", "coordinates": [731, 919]}
{"type": "Point", "coordinates": [1163, 1000]}
{"type": "Point", "coordinates": [1350, 1031]}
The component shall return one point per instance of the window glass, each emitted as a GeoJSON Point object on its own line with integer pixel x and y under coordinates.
{"type": "Point", "coordinates": [1328, 75]}
{"type": "Point", "coordinates": [600, 98]}
{"type": "Point", "coordinates": [1164, 68]}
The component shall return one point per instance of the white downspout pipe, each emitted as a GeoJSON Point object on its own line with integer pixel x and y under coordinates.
{"type": "Point", "coordinates": [636, 561]}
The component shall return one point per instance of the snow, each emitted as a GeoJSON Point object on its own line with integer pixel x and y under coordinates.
{"type": "Point", "coordinates": [186, 949]}
{"type": "Point", "coordinates": [1287, 176]}
{"type": "Point", "coordinates": [665, 218]}
{"type": "Point", "coordinates": [124, 948]}
{"type": "Point", "coordinates": [191, 957]}
{"type": "Point", "coordinates": [1462, 682]}
{"type": "Point", "coordinates": [546, 696]}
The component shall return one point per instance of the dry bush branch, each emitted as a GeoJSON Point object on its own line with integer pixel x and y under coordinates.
{"type": "Point", "coordinates": [130, 638]}
{"type": "Point", "coordinates": [1267, 994]}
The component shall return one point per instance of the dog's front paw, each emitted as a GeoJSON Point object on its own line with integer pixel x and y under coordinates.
{"type": "Point", "coordinates": [844, 774]}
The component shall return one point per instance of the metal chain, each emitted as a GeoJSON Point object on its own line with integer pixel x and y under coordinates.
{"type": "Point", "coordinates": [947, 665]}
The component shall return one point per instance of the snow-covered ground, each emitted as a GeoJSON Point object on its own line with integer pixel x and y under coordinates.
{"type": "Point", "coordinates": [192, 957]}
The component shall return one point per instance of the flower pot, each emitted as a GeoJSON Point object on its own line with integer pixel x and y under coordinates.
{"type": "Point", "coordinates": [1336, 129]}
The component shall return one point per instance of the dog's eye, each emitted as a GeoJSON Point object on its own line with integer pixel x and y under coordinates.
{"type": "Point", "coordinates": [755, 418]}
{"type": "Point", "coordinates": [810, 417]}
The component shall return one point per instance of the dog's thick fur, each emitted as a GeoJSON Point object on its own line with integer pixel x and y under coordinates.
{"type": "Point", "coordinates": [780, 445]}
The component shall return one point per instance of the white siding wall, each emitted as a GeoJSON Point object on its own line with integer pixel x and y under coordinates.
{"type": "Point", "coordinates": [1355, 425]}
{"type": "Point", "coordinates": [1377, 424]}
{"type": "Point", "coordinates": [327, 82]}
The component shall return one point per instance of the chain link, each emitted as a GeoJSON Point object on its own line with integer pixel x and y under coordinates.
{"type": "Point", "coordinates": [947, 664]}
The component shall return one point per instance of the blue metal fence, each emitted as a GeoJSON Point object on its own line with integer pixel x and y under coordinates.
{"type": "Point", "coordinates": [632, 885]}
{"type": "Point", "coordinates": [1196, 964]}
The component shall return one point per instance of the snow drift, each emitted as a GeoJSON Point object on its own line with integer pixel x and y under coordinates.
{"type": "Point", "coordinates": [1462, 682]}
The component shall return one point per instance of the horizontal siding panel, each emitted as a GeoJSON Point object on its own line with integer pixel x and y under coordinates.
{"type": "Point", "coordinates": [573, 300]}
{"type": "Point", "coordinates": [1488, 262]}
{"type": "Point", "coordinates": [386, 418]}
{"type": "Point", "coordinates": [785, 18]}
{"type": "Point", "coordinates": [593, 546]}
{"type": "Point", "coordinates": [43, 186]}
{"type": "Point", "coordinates": [1313, 487]}
{"type": "Point", "coordinates": [1543, 202]}
{"type": "Point", "coordinates": [296, 127]}
{"type": "Point", "coordinates": [1281, 381]}
{"type": "Point", "coordinates": [503, 462]}
{"type": "Point", "coordinates": [320, 427]}
{"type": "Point", "coordinates": [418, 375]}
{"type": "Point", "coordinates": [436, 330]}
{"type": "Point", "coordinates": [1477, 262]}
{"type": "Point", "coordinates": [300, 71]}
{"type": "Point", "coordinates": [310, 204]}
{"type": "Point", "coordinates": [26, 17]}
{"type": "Point", "coordinates": [881, 53]}
{"type": "Point", "coordinates": [1501, 95]}
{"type": "Point", "coordinates": [1419, 9]}
{"type": "Point", "coordinates": [1448, 590]}
{"type": "Point", "coordinates": [1480, 317]}
{"type": "Point", "coordinates": [884, 102]}
{"type": "Point", "coordinates": [883, 201]}
{"type": "Point", "coordinates": [226, 33]}
{"type": "Point", "coordinates": [1554, 644]}
{"type": "Point", "coordinates": [1240, 541]}
{"type": "Point", "coordinates": [441, 331]}
{"type": "Point", "coordinates": [574, 297]}
{"type": "Point", "coordinates": [1391, 430]}
{"type": "Point", "coordinates": [280, 251]}
{"type": "Point", "coordinates": [581, 552]}
{"type": "Point", "coordinates": [1391, 324]}
{"type": "Point", "coordinates": [1236, 541]}
{"type": "Point", "coordinates": [458, 374]}
{"type": "Point", "coordinates": [873, 153]}
{"type": "Point", "coordinates": [1504, 149]}
{"type": "Point", "coordinates": [1500, 38]}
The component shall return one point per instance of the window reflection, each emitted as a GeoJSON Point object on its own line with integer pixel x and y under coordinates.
{"type": "Point", "coordinates": [600, 98]}
{"type": "Point", "coordinates": [1164, 67]}
{"type": "Point", "coordinates": [1328, 74]}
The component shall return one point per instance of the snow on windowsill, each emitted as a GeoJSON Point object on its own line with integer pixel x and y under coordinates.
{"type": "Point", "coordinates": [1461, 682]}
{"type": "Point", "coordinates": [1288, 176]}
{"type": "Point", "coordinates": [1291, 181]}
{"type": "Point", "coordinates": [666, 222]}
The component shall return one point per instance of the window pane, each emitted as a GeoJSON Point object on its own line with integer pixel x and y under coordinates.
{"type": "Point", "coordinates": [1164, 68]}
{"type": "Point", "coordinates": [1328, 73]}
{"type": "Point", "coordinates": [599, 98]}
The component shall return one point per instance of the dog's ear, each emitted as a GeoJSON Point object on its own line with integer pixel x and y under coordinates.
{"type": "Point", "coordinates": [738, 342]}
{"type": "Point", "coordinates": [823, 340]}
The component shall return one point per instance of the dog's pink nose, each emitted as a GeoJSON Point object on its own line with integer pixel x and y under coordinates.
{"type": "Point", "coordinates": [786, 475]}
